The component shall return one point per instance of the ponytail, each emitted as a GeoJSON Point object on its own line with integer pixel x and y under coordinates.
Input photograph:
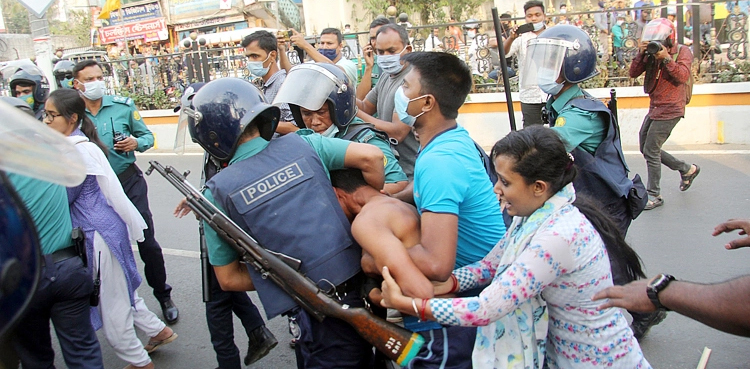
{"type": "Point", "coordinates": [87, 127]}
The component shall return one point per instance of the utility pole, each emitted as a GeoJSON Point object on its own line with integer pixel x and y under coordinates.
{"type": "Point", "coordinates": [42, 46]}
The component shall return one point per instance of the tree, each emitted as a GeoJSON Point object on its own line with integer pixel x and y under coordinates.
{"type": "Point", "coordinates": [16, 17]}
{"type": "Point", "coordinates": [430, 11]}
{"type": "Point", "coordinates": [17, 21]}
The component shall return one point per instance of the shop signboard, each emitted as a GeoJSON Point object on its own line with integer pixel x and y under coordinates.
{"type": "Point", "coordinates": [149, 30]}
{"type": "Point", "coordinates": [135, 13]}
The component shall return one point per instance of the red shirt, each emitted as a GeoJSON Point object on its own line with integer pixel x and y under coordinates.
{"type": "Point", "coordinates": [668, 97]}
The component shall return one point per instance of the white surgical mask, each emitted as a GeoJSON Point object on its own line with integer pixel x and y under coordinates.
{"type": "Point", "coordinates": [391, 64]}
{"type": "Point", "coordinates": [538, 26]}
{"type": "Point", "coordinates": [330, 131]}
{"type": "Point", "coordinates": [257, 69]}
{"type": "Point", "coordinates": [94, 90]}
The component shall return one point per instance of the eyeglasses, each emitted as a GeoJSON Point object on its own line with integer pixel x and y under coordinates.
{"type": "Point", "coordinates": [50, 116]}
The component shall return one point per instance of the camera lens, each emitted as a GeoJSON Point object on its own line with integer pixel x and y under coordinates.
{"type": "Point", "coordinates": [653, 47]}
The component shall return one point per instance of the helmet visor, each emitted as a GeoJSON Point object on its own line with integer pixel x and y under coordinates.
{"type": "Point", "coordinates": [544, 60]}
{"type": "Point", "coordinates": [182, 126]}
{"type": "Point", "coordinates": [318, 84]}
{"type": "Point", "coordinates": [656, 31]}
{"type": "Point", "coordinates": [30, 148]}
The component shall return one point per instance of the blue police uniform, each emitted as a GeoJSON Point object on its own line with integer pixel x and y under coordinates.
{"type": "Point", "coordinates": [268, 185]}
{"type": "Point", "coordinates": [223, 303]}
{"type": "Point", "coordinates": [119, 114]}
{"type": "Point", "coordinates": [64, 288]}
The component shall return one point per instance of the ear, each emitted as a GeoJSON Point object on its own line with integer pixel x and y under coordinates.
{"type": "Point", "coordinates": [74, 117]}
{"type": "Point", "coordinates": [76, 83]}
{"type": "Point", "coordinates": [340, 194]}
{"type": "Point", "coordinates": [540, 188]}
{"type": "Point", "coordinates": [430, 103]}
{"type": "Point", "coordinates": [409, 47]}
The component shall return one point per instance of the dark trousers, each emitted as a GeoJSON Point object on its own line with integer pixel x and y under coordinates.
{"type": "Point", "coordinates": [219, 318]}
{"type": "Point", "coordinates": [532, 114]}
{"type": "Point", "coordinates": [156, 274]}
{"type": "Point", "coordinates": [331, 343]}
{"type": "Point", "coordinates": [651, 138]}
{"type": "Point", "coordinates": [63, 297]}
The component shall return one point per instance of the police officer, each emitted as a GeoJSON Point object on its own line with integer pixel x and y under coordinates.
{"type": "Point", "coordinates": [63, 72]}
{"type": "Point", "coordinates": [222, 304]}
{"type": "Point", "coordinates": [65, 285]}
{"type": "Point", "coordinates": [231, 121]}
{"type": "Point", "coordinates": [321, 97]}
{"type": "Point", "coordinates": [29, 84]}
{"type": "Point", "coordinates": [563, 57]}
{"type": "Point", "coordinates": [120, 126]}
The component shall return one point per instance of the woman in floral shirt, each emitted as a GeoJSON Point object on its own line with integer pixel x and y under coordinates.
{"type": "Point", "coordinates": [540, 277]}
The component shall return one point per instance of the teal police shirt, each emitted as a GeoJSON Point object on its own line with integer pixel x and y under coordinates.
{"type": "Point", "coordinates": [119, 114]}
{"type": "Point", "coordinates": [331, 152]}
{"type": "Point", "coordinates": [47, 204]}
{"type": "Point", "coordinates": [393, 171]}
{"type": "Point", "coordinates": [576, 127]}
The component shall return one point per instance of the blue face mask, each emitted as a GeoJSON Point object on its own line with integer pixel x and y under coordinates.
{"type": "Point", "coordinates": [391, 64]}
{"type": "Point", "coordinates": [329, 53]}
{"type": "Point", "coordinates": [29, 99]}
{"type": "Point", "coordinates": [66, 83]}
{"type": "Point", "coordinates": [547, 82]}
{"type": "Point", "coordinates": [401, 103]}
{"type": "Point", "coordinates": [257, 69]}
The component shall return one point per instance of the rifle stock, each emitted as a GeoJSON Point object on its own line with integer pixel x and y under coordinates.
{"type": "Point", "coordinates": [398, 344]}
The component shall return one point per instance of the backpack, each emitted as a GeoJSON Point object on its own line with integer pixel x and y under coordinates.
{"type": "Point", "coordinates": [488, 166]}
{"type": "Point", "coordinates": [690, 81]}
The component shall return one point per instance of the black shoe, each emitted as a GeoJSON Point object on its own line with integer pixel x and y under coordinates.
{"type": "Point", "coordinates": [260, 342]}
{"type": "Point", "coordinates": [170, 312]}
{"type": "Point", "coordinates": [644, 322]}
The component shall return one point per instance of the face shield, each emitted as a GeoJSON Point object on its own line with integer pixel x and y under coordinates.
{"type": "Point", "coordinates": [656, 31]}
{"type": "Point", "coordinates": [30, 148]}
{"type": "Point", "coordinates": [182, 122]}
{"type": "Point", "coordinates": [544, 60]}
{"type": "Point", "coordinates": [318, 83]}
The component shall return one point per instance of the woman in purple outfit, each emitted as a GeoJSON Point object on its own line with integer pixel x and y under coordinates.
{"type": "Point", "coordinates": [111, 222]}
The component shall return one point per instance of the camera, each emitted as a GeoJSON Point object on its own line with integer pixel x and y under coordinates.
{"type": "Point", "coordinates": [118, 136]}
{"type": "Point", "coordinates": [284, 35]}
{"type": "Point", "coordinates": [653, 47]}
{"type": "Point", "coordinates": [526, 27]}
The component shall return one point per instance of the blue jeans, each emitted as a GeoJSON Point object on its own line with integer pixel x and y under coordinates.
{"type": "Point", "coordinates": [63, 297]}
{"type": "Point", "coordinates": [220, 326]}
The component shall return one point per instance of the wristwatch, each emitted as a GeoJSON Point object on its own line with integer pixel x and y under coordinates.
{"type": "Point", "coordinates": [656, 285]}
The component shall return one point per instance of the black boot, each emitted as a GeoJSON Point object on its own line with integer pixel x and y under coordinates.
{"type": "Point", "coordinates": [170, 312]}
{"type": "Point", "coordinates": [260, 342]}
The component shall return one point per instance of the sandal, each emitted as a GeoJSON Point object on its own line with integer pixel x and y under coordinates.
{"type": "Point", "coordinates": [154, 344]}
{"type": "Point", "coordinates": [654, 202]}
{"type": "Point", "coordinates": [687, 179]}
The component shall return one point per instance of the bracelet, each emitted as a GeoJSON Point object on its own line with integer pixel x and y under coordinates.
{"type": "Point", "coordinates": [455, 284]}
{"type": "Point", "coordinates": [424, 308]}
{"type": "Point", "coordinates": [414, 305]}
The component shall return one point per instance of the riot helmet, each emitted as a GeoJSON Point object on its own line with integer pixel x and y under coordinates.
{"type": "Point", "coordinates": [221, 111]}
{"type": "Point", "coordinates": [182, 123]}
{"type": "Point", "coordinates": [31, 75]}
{"type": "Point", "coordinates": [18, 103]}
{"type": "Point", "coordinates": [562, 49]}
{"type": "Point", "coordinates": [310, 85]}
{"type": "Point", "coordinates": [63, 72]}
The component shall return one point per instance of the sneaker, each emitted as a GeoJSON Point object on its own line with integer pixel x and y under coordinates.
{"type": "Point", "coordinates": [260, 342]}
{"type": "Point", "coordinates": [653, 202]}
{"type": "Point", "coordinates": [643, 324]}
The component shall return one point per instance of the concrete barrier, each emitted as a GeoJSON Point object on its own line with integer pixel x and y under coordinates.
{"type": "Point", "coordinates": [717, 113]}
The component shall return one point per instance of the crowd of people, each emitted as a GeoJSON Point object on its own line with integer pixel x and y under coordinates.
{"type": "Point", "coordinates": [494, 261]}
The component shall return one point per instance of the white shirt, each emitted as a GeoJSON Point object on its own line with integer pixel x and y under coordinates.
{"type": "Point", "coordinates": [529, 95]}
{"type": "Point", "coordinates": [432, 42]}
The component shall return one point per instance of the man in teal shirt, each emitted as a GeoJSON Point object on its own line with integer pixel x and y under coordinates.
{"type": "Point", "coordinates": [279, 192]}
{"type": "Point", "coordinates": [64, 287]}
{"type": "Point", "coordinates": [121, 128]}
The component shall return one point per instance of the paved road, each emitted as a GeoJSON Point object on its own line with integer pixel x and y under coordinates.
{"type": "Point", "coordinates": [675, 238]}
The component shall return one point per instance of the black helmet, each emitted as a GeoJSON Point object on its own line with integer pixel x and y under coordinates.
{"type": "Point", "coordinates": [221, 110]}
{"type": "Point", "coordinates": [31, 75]}
{"type": "Point", "coordinates": [310, 85]}
{"type": "Point", "coordinates": [63, 72]}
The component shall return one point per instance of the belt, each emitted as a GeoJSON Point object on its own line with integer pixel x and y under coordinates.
{"type": "Point", "coordinates": [131, 170]}
{"type": "Point", "coordinates": [61, 255]}
{"type": "Point", "coordinates": [351, 284]}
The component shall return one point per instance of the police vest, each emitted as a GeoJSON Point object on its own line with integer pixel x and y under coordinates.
{"type": "Point", "coordinates": [603, 175]}
{"type": "Point", "coordinates": [283, 198]}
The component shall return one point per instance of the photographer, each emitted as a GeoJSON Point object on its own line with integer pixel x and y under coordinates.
{"type": "Point", "coordinates": [667, 68]}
